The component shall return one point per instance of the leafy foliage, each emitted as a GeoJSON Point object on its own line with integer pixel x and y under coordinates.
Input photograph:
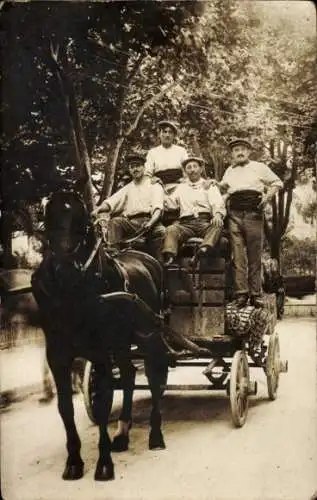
{"type": "Point", "coordinates": [298, 256]}
{"type": "Point", "coordinates": [83, 83]}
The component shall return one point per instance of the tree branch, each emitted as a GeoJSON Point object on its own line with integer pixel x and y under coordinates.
{"type": "Point", "coordinates": [287, 209]}
{"type": "Point", "coordinates": [144, 106]}
{"type": "Point", "coordinates": [135, 68]}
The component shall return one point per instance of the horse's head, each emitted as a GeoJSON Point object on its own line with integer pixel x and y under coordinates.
{"type": "Point", "coordinates": [66, 222]}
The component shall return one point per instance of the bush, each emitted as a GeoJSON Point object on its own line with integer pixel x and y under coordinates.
{"type": "Point", "coordinates": [298, 256]}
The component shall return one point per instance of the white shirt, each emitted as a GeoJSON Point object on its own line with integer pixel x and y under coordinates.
{"type": "Point", "coordinates": [254, 175]}
{"type": "Point", "coordinates": [134, 198]}
{"type": "Point", "coordinates": [159, 159]}
{"type": "Point", "coordinates": [192, 198]}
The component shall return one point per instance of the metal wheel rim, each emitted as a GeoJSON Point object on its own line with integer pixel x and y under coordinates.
{"type": "Point", "coordinates": [273, 366]}
{"type": "Point", "coordinates": [87, 390]}
{"type": "Point", "coordinates": [239, 383]}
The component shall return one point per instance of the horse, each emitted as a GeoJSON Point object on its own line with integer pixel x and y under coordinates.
{"type": "Point", "coordinates": [94, 303]}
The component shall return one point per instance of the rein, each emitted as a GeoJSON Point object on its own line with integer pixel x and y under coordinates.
{"type": "Point", "coordinates": [134, 238]}
{"type": "Point", "coordinates": [92, 255]}
{"type": "Point", "coordinates": [99, 222]}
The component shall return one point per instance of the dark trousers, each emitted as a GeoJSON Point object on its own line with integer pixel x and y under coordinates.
{"type": "Point", "coordinates": [246, 236]}
{"type": "Point", "coordinates": [122, 228]}
{"type": "Point", "coordinates": [180, 231]}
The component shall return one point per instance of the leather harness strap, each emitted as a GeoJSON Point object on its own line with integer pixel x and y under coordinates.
{"type": "Point", "coordinates": [123, 273]}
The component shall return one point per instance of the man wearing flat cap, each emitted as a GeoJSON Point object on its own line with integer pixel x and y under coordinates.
{"type": "Point", "coordinates": [165, 161]}
{"type": "Point", "coordinates": [135, 207]}
{"type": "Point", "coordinates": [202, 211]}
{"type": "Point", "coordinates": [247, 186]}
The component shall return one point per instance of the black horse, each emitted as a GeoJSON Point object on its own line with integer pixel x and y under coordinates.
{"type": "Point", "coordinates": [86, 300]}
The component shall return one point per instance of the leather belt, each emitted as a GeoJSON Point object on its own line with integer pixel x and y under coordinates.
{"type": "Point", "coordinates": [201, 215]}
{"type": "Point", "coordinates": [247, 200]}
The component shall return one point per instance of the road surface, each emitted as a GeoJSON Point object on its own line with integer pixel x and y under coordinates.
{"type": "Point", "coordinates": [274, 456]}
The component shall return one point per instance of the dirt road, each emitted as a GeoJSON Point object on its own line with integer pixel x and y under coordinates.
{"type": "Point", "coordinates": [274, 456]}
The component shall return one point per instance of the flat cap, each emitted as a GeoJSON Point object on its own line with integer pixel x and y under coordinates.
{"type": "Point", "coordinates": [135, 157]}
{"type": "Point", "coordinates": [239, 140]}
{"type": "Point", "coordinates": [168, 123]}
{"type": "Point", "coordinates": [198, 159]}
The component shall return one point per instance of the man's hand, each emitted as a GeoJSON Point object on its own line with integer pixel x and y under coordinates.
{"type": "Point", "coordinates": [147, 226]}
{"type": "Point", "coordinates": [265, 200]}
{"type": "Point", "coordinates": [209, 182]}
{"type": "Point", "coordinates": [156, 180]}
{"type": "Point", "coordinates": [105, 209]}
{"type": "Point", "coordinates": [95, 212]}
{"type": "Point", "coordinates": [218, 220]}
{"type": "Point", "coordinates": [223, 187]}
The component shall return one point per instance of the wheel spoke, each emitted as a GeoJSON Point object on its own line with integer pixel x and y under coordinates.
{"type": "Point", "coordinates": [239, 388]}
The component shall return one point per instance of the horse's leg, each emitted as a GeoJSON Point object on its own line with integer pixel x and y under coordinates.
{"type": "Point", "coordinates": [156, 369]}
{"type": "Point", "coordinates": [74, 467]}
{"type": "Point", "coordinates": [120, 441]}
{"type": "Point", "coordinates": [102, 405]}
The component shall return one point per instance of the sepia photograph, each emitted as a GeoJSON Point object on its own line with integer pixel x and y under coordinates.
{"type": "Point", "coordinates": [158, 250]}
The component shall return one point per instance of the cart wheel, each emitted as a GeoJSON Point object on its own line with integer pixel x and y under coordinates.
{"type": "Point", "coordinates": [89, 390]}
{"type": "Point", "coordinates": [238, 391]}
{"type": "Point", "coordinates": [273, 366]}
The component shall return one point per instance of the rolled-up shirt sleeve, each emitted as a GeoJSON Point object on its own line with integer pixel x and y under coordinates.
{"type": "Point", "coordinates": [157, 197]}
{"type": "Point", "coordinates": [216, 201]}
{"type": "Point", "coordinates": [117, 201]}
{"type": "Point", "coordinates": [171, 202]}
{"type": "Point", "coordinates": [269, 178]}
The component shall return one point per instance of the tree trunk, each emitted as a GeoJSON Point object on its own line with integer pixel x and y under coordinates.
{"type": "Point", "coordinates": [58, 53]}
{"type": "Point", "coordinates": [85, 165]}
{"type": "Point", "coordinates": [110, 171]}
{"type": "Point", "coordinates": [6, 239]}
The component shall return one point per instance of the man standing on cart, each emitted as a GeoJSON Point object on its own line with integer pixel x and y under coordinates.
{"type": "Point", "coordinates": [248, 186]}
{"type": "Point", "coordinates": [202, 211]}
{"type": "Point", "coordinates": [135, 208]}
{"type": "Point", "coordinates": [165, 161]}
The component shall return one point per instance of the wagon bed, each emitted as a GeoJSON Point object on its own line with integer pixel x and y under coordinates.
{"type": "Point", "coordinates": [200, 306]}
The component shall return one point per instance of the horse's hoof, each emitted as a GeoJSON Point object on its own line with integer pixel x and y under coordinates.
{"type": "Point", "coordinates": [73, 471]}
{"type": "Point", "coordinates": [156, 441]}
{"type": "Point", "coordinates": [120, 443]}
{"type": "Point", "coordinates": [104, 472]}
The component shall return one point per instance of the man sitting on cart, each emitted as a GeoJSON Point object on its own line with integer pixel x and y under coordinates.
{"type": "Point", "coordinates": [247, 186]}
{"type": "Point", "coordinates": [136, 208]}
{"type": "Point", "coordinates": [202, 211]}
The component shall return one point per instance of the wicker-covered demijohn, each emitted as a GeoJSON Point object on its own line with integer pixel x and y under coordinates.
{"type": "Point", "coordinates": [248, 321]}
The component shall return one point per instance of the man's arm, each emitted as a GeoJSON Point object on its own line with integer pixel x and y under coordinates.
{"type": "Point", "coordinates": [171, 202]}
{"type": "Point", "coordinates": [218, 206]}
{"type": "Point", "coordinates": [114, 203]}
{"type": "Point", "coordinates": [157, 205]}
{"type": "Point", "coordinates": [273, 184]}
{"type": "Point", "coordinates": [156, 215]}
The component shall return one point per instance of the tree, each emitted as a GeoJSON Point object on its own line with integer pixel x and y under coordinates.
{"type": "Point", "coordinates": [282, 123]}
{"type": "Point", "coordinates": [85, 82]}
{"type": "Point", "coordinates": [79, 57]}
